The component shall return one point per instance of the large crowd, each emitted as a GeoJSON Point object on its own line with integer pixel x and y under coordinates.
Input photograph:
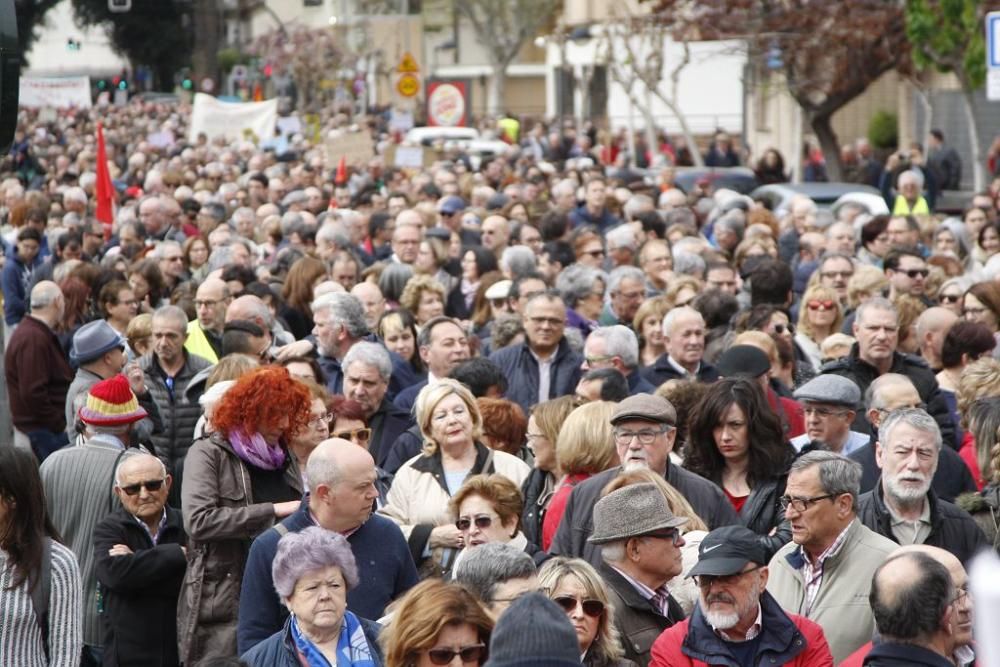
{"type": "Point", "coordinates": [537, 408]}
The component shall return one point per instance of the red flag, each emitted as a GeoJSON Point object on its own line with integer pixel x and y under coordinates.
{"type": "Point", "coordinates": [104, 191]}
{"type": "Point", "coordinates": [341, 177]}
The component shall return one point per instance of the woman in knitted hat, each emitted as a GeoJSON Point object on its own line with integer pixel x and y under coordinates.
{"type": "Point", "coordinates": [237, 482]}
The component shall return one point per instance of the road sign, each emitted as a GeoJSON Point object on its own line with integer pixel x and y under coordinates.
{"type": "Point", "coordinates": [408, 64]}
{"type": "Point", "coordinates": [408, 85]}
{"type": "Point", "coordinates": [993, 56]}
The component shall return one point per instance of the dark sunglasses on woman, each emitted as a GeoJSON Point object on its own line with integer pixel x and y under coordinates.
{"type": "Point", "coordinates": [592, 608]}
{"type": "Point", "coordinates": [482, 521]}
{"type": "Point", "coordinates": [442, 656]}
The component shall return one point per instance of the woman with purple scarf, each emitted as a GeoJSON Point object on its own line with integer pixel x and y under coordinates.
{"type": "Point", "coordinates": [237, 483]}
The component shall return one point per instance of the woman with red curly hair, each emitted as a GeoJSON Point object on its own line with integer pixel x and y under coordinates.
{"type": "Point", "coordinates": [237, 483]}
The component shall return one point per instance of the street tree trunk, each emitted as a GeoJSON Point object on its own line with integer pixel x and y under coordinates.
{"type": "Point", "coordinates": [498, 86]}
{"type": "Point", "coordinates": [823, 127]}
{"type": "Point", "coordinates": [978, 173]}
{"type": "Point", "coordinates": [207, 22]}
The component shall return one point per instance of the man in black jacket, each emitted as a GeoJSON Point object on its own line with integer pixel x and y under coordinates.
{"type": "Point", "coordinates": [141, 559]}
{"type": "Point", "coordinates": [684, 340]}
{"type": "Point", "coordinates": [876, 328]}
{"type": "Point", "coordinates": [902, 506]}
{"type": "Point", "coordinates": [645, 429]}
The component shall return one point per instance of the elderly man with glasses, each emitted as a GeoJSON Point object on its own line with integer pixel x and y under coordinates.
{"type": "Point", "coordinates": [830, 403]}
{"type": "Point", "coordinates": [825, 572]}
{"type": "Point", "coordinates": [737, 621]}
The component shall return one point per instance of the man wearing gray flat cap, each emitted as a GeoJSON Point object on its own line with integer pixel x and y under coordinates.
{"type": "Point", "coordinates": [98, 353]}
{"type": "Point", "coordinates": [830, 403]}
{"type": "Point", "coordinates": [644, 428]}
{"type": "Point", "coordinates": [640, 542]}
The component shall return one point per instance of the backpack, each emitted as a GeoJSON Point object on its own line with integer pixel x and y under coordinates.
{"type": "Point", "coordinates": [41, 592]}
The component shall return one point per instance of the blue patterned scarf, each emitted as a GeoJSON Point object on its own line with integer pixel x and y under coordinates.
{"type": "Point", "coordinates": [352, 646]}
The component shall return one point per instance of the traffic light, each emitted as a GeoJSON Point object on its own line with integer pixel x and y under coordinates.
{"type": "Point", "coordinates": [123, 85]}
{"type": "Point", "coordinates": [73, 44]}
{"type": "Point", "coordinates": [187, 83]}
{"type": "Point", "coordinates": [102, 84]}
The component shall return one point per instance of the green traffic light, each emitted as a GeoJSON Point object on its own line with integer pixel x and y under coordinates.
{"type": "Point", "coordinates": [123, 85]}
{"type": "Point", "coordinates": [187, 84]}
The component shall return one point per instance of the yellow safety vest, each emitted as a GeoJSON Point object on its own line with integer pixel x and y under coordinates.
{"type": "Point", "coordinates": [903, 208]}
{"type": "Point", "coordinates": [511, 128]}
{"type": "Point", "coordinates": [197, 342]}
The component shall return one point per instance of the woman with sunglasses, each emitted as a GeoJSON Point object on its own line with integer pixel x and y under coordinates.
{"type": "Point", "coordinates": [575, 585]}
{"type": "Point", "coordinates": [488, 509]}
{"type": "Point", "coordinates": [820, 315]}
{"type": "Point", "coordinates": [951, 294]}
{"type": "Point", "coordinates": [312, 571]}
{"type": "Point", "coordinates": [437, 624]}
{"type": "Point", "coordinates": [348, 421]}
{"type": "Point", "coordinates": [736, 441]}
{"type": "Point", "coordinates": [452, 427]}
{"type": "Point", "coordinates": [237, 483]}
{"type": "Point", "coordinates": [27, 538]}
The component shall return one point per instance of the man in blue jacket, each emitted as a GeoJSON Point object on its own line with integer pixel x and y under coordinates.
{"type": "Point", "coordinates": [544, 366]}
{"type": "Point", "coordinates": [341, 481]}
{"type": "Point", "coordinates": [17, 274]}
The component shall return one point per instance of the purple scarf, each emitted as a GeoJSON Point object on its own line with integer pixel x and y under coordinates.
{"type": "Point", "coordinates": [255, 451]}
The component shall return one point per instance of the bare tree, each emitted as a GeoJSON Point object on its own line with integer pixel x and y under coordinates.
{"type": "Point", "coordinates": [637, 61]}
{"type": "Point", "coordinates": [307, 55]}
{"type": "Point", "coordinates": [503, 27]}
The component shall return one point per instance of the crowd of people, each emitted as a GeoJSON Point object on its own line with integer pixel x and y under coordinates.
{"type": "Point", "coordinates": [280, 412]}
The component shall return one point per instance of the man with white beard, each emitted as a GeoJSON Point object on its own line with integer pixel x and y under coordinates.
{"type": "Point", "coordinates": [644, 428]}
{"type": "Point", "coordinates": [736, 621]}
{"type": "Point", "coordinates": [903, 506]}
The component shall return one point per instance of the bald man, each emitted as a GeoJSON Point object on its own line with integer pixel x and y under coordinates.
{"type": "Point", "coordinates": [205, 333]}
{"type": "Point", "coordinates": [38, 374]}
{"type": "Point", "coordinates": [932, 326]}
{"type": "Point", "coordinates": [341, 480]}
{"type": "Point", "coordinates": [371, 298]}
{"type": "Point", "coordinates": [141, 559]}
{"type": "Point", "coordinates": [961, 622]}
{"type": "Point", "coordinates": [252, 308]}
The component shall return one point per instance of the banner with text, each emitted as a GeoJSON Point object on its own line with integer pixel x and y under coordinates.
{"type": "Point", "coordinates": [235, 121]}
{"type": "Point", "coordinates": [55, 92]}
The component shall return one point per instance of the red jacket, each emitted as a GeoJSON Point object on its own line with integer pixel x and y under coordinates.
{"type": "Point", "coordinates": [782, 636]}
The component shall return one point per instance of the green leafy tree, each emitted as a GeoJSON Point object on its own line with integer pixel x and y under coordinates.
{"type": "Point", "coordinates": [30, 16]}
{"type": "Point", "coordinates": [152, 34]}
{"type": "Point", "coordinates": [949, 35]}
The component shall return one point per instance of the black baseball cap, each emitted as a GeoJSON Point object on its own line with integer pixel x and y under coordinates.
{"type": "Point", "coordinates": [743, 361]}
{"type": "Point", "coordinates": [727, 550]}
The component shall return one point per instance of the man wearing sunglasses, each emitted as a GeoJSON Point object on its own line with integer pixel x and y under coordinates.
{"type": "Point", "coordinates": [737, 621]}
{"type": "Point", "coordinates": [907, 273]}
{"type": "Point", "coordinates": [141, 560]}
{"type": "Point", "coordinates": [640, 543]}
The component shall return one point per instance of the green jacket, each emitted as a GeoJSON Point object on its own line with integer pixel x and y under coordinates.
{"type": "Point", "coordinates": [841, 607]}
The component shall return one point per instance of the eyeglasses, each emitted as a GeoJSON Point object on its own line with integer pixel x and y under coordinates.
{"type": "Point", "coordinates": [443, 656]}
{"type": "Point", "coordinates": [592, 608]}
{"type": "Point", "coordinates": [208, 303]}
{"type": "Point", "coordinates": [951, 298]}
{"type": "Point", "coordinates": [646, 436]}
{"type": "Point", "coordinates": [802, 504]}
{"type": "Point", "coordinates": [482, 522]}
{"type": "Point", "coordinates": [816, 304]}
{"type": "Point", "coordinates": [837, 274]}
{"type": "Point", "coordinates": [706, 580]}
{"type": "Point", "coordinates": [150, 485]}
{"type": "Point", "coordinates": [320, 420]}
{"type": "Point", "coordinates": [780, 328]}
{"type": "Point", "coordinates": [822, 412]}
{"type": "Point", "coordinates": [359, 434]}
{"type": "Point", "coordinates": [913, 273]}
{"type": "Point", "coordinates": [551, 321]}
{"type": "Point", "coordinates": [598, 359]}
{"type": "Point", "coordinates": [673, 535]}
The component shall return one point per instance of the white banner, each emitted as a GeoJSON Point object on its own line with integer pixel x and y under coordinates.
{"type": "Point", "coordinates": [57, 93]}
{"type": "Point", "coordinates": [233, 120]}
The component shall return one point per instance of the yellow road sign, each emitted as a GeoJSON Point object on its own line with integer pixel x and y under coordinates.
{"type": "Point", "coordinates": [408, 64]}
{"type": "Point", "coordinates": [408, 85]}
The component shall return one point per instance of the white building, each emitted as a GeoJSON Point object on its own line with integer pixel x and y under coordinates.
{"type": "Point", "coordinates": [51, 56]}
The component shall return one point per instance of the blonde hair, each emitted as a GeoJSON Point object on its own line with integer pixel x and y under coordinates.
{"type": "Point", "coordinates": [821, 293]}
{"type": "Point", "coordinates": [835, 341]}
{"type": "Point", "coordinates": [551, 415]}
{"type": "Point", "coordinates": [677, 284]}
{"type": "Point", "coordinates": [414, 290]}
{"type": "Point", "coordinates": [607, 643]}
{"type": "Point", "coordinates": [763, 342]}
{"type": "Point", "coordinates": [657, 306]}
{"type": "Point", "coordinates": [678, 503]}
{"type": "Point", "coordinates": [980, 379]}
{"type": "Point", "coordinates": [867, 281]}
{"type": "Point", "coordinates": [427, 401]}
{"type": "Point", "coordinates": [586, 443]}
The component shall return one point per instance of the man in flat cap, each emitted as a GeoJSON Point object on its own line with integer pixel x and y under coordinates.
{"type": "Point", "coordinates": [640, 542]}
{"type": "Point", "coordinates": [736, 621]}
{"type": "Point", "coordinates": [830, 403]}
{"type": "Point", "coordinates": [644, 432]}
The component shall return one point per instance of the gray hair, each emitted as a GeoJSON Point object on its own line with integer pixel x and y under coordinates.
{"type": "Point", "coordinates": [161, 248]}
{"type": "Point", "coordinates": [689, 264]}
{"type": "Point", "coordinates": [393, 279]}
{"type": "Point", "coordinates": [635, 205]}
{"type": "Point", "coordinates": [912, 417]}
{"type": "Point", "coordinates": [426, 331]}
{"type": "Point", "coordinates": [221, 257]}
{"type": "Point", "coordinates": [875, 303]}
{"type": "Point", "coordinates": [486, 567]}
{"type": "Point", "coordinates": [620, 237]}
{"type": "Point", "coordinates": [370, 354]}
{"type": "Point", "coordinates": [873, 395]}
{"type": "Point", "coordinates": [290, 220]}
{"type": "Point", "coordinates": [309, 550]}
{"type": "Point", "coordinates": [619, 341]}
{"type": "Point", "coordinates": [837, 474]}
{"type": "Point", "coordinates": [131, 454]}
{"type": "Point", "coordinates": [912, 174]}
{"type": "Point", "coordinates": [333, 232]}
{"type": "Point", "coordinates": [520, 260]}
{"type": "Point", "coordinates": [46, 293]}
{"type": "Point", "coordinates": [565, 186]}
{"type": "Point", "coordinates": [733, 220]}
{"type": "Point", "coordinates": [576, 282]}
{"type": "Point", "coordinates": [613, 552]}
{"type": "Point", "coordinates": [625, 273]}
{"type": "Point", "coordinates": [345, 310]}
{"type": "Point", "coordinates": [172, 313]}
{"type": "Point", "coordinates": [671, 317]}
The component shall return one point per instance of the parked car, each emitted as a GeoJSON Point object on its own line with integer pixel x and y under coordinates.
{"type": "Point", "coordinates": [428, 136]}
{"type": "Point", "coordinates": [740, 179]}
{"type": "Point", "coordinates": [779, 195]}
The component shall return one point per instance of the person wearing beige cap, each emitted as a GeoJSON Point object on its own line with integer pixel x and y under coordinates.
{"type": "Point", "coordinates": [641, 547]}
{"type": "Point", "coordinates": [644, 432]}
